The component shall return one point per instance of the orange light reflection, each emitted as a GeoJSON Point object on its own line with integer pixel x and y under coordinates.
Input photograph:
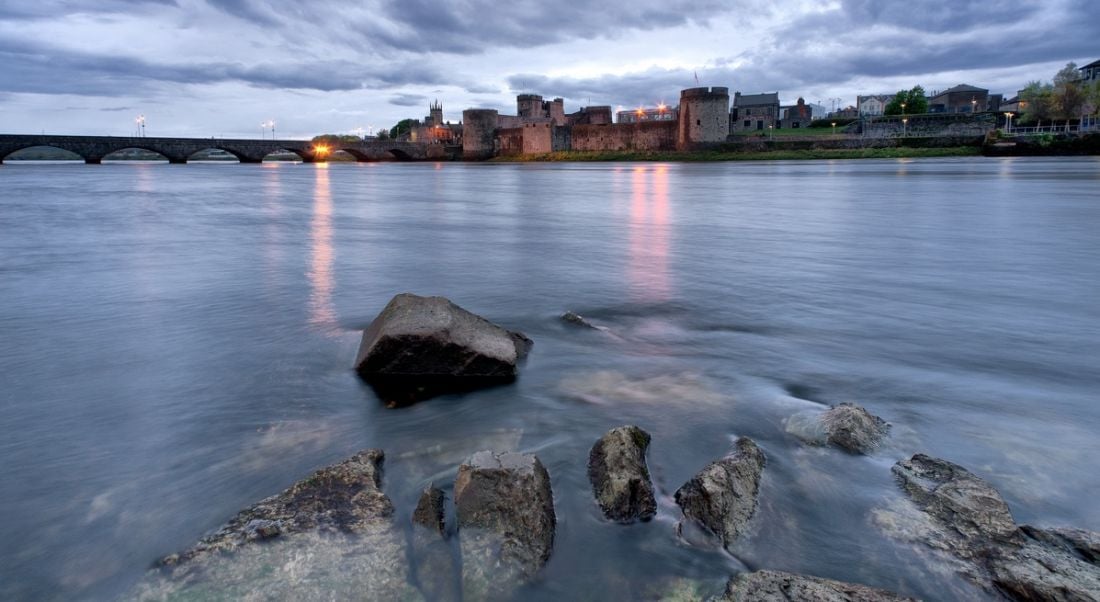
{"type": "Point", "coordinates": [321, 311]}
{"type": "Point", "coordinates": [649, 234]}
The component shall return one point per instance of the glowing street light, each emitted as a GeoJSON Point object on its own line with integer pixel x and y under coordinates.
{"type": "Point", "coordinates": [263, 130]}
{"type": "Point", "coordinates": [140, 121]}
{"type": "Point", "coordinates": [1008, 122]}
{"type": "Point", "coordinates": [321, 150]}
{"type": "Point", "coordinates": [904, 126]}
{"type": "Point", "coordinates": [834, 128]}
{"type": "Point", "coordinates": [973, 105]}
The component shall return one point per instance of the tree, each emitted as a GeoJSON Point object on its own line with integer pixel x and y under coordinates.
{"type": "Point", "coordinates": [383, 134]}
{"type": "Point", "coordinates": [1068, 94]}
{"type": "Point", "coordinates": [914, 100]}
{"type": "Point", "coordinates": [1036, 101]}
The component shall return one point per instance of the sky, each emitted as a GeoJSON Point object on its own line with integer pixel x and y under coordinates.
{"type": "Point", "coordinates": [223, 67]}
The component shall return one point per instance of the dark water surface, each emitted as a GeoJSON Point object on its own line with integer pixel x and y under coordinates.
{"type": "Point", "coordinates": [177, 344]}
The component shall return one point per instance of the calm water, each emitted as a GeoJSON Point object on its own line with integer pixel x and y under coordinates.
{"type": "Point", "coordinates": [177, 344]}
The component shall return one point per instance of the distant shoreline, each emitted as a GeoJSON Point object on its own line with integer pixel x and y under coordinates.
{"type": "Point", "coordinates": [719, 156]}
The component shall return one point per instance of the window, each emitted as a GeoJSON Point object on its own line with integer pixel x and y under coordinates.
{"type": "Point", "coordinates": [698, 122]}
{"type": "Point", "coordinates": [748, 123]}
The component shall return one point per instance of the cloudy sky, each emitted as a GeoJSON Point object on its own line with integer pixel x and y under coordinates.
{"type": "Point", "coordinates": [221, 67]}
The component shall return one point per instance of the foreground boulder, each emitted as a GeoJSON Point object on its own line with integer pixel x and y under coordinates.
{"type": "Point", "coordinates": [853, 428]}
{"type": "Point", "coordinates": [419, 347]}
{"type": "Point", "coordinates": [777, 586]}
{"type": "Point", "coordinates": [331, 535]}
{"type": "Point", "coordinates": [966, 518]}
{"type": "Point", "coordinates": [619, 476]}
{"type": "Point", "coordinates": [722, 497]}
{"type": "Point", "coordinates": [506, 522]}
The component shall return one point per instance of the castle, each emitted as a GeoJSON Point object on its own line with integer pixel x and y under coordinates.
{"type": "Point", "coordinates": [540, 126]}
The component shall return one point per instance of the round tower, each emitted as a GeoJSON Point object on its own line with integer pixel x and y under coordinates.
{"type": "Point", "coordinates": [478, 133]}
{"type": "Point", "coordinates": [704, 116]}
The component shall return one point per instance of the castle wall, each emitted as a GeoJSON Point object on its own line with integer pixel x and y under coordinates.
{"type": "Point", "coordinates": [509, 142]}
{"type": "Point", "coordinates": [538, 138]}
{"type": "Point", "coordinates": [646, 135]}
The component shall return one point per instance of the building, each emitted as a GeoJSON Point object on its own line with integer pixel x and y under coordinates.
{"type": "Point", "coordinates": [532, 106]}
{"type": "Point", "coordinates": [798, 115]}
{"type": "Point", "coordinates": [1090, 72]}
{"type": "Point", "coordinates": [754, 111]}
{"type": "Point", "coordinates": [962, 98]}
{"type": "Point", "coordinates": [659, 113]}
{"type": "Point", "coordinates": [597, 115]}
{"type": "Point", "coordinates": [873, 105]}
{"type": "Point", "coordinates": [433, 129]}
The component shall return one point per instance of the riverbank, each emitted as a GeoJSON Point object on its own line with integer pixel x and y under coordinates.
{"type": "Point", "coordinates": [763, 155]}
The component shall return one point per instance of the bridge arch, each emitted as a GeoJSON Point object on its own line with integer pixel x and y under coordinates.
{"type": "Point", "coordinates": [212, 155]}
{"type": "Point", "coordinates": [400, 154]}
{"type": "Point", "coordinates": [125, 153]}
{"type": "Point", "coordinates": [39, 152]}
{"type": "Point", "coordinates": [268, 154]}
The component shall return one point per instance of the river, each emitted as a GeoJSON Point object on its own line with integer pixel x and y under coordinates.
{"type": "Point", "coordinates": [178, 344]}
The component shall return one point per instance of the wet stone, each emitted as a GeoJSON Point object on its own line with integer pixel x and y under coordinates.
{"type": "Point", "coordinates": [723, 496]}
{"type": "Point", "coordinates": [777, 586]}
{"type": "Point", "coordinates": [619, 476]}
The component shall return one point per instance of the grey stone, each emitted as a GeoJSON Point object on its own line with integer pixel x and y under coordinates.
{"type": "Point", "coordinates": [722, 497]}
{"type": "Point", "coordinates": [506, 522]}
{"type": "Point", "coordinates": [968, 519]}
{"type": "Point", "coordinates": [619, 476]}
{"type": "Point", "coordinates": [957, 499]}
{"type": "Point", "coordinates": [853, 428]}
{"type": "Point", "coordinates": [777, 586]}
{"type": "Point", "coordinates": [429, 511]}
{"type": "Point", "coordinates": [330, 535]}
{"type": "Point", "coordinates": [418, 347]}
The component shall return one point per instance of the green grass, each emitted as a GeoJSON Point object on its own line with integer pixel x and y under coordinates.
{"type": "Point", "coordinates": [777, 155]}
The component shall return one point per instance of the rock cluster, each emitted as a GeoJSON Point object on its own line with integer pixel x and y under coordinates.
{"type": "Point", "coordinates": [619, 476]}
{"type": "Point", "coordinates": [968, 519]}
{"type": "Point", "coordinates": [419, 347]}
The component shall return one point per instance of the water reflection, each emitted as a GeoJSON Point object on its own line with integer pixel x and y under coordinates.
{"type": "Point", "coordinates": [322, 314]}
{"type": "Point", "coordinates": [273, 210]}
{"type": "Point", "coordinates": [649, 234]}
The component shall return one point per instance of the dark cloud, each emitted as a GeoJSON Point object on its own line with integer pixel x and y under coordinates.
{"type": "Point", "coordinates": [39, 69]}
{"type": "Point", "coordinates": [51, 9]}
{"type": "Point", "coordinates": [409, 100]}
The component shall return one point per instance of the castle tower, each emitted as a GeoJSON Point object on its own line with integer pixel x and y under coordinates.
{"type": "Point", "coordinates": [478, 133]}
{"type": "Point", "coordinates": [529, 105]}
{"type": "Point", "coordinates": [704, 116]}
{"type": "Point", "coordinates": [435, 114]}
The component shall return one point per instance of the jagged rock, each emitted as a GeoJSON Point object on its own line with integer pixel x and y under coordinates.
{"type": "Point", "coordinates": [434, 563]}
{"type": "Point", "coordinates": [330, 535]}
{"type": "Point", "coordinates": [1085, 544]}
{"type": "Point", "coordinates": [418, 347]}
{"type": "Point", "coordinates": [429, 511]}
{"type": "Point", "coordinates": [777, 586]}
{"type": "Point", "coordinates": [506, 521]}
{"type": "Point", "coordinates": [853, 428]}
{"type": "Point", "coordinates": [722, 496]}
{"type": "Point", "coordinates": [968, 519]}
{"type": "Point", "coordinates": [619, 477]}
{"type": "Point", "coordinates": [577, 320]}
{"type": "Point", "coordinates": [958, 500]}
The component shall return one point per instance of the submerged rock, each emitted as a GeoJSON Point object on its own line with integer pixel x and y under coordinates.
{"type": "Point", "coordinates": [328, 536]}
{"type": "Point", "coordinates": [777, 586]}
{"type": "Point", "coordinates": [967, 518]}
{"type": "Point", "coordinates": [506, 522]}
{"type": "Point", "coordinates": [722, 497]}
{"type": "Point", "coordinates": [435, 565]}
{"type": "Point", "coordinates": [853, 428]}
{"type": "Point", "coordinates": [619, 476]}
{"type": "Point", "coordinates": [577, 320]}
{"type": "Point", "coordinates": [419, 347]}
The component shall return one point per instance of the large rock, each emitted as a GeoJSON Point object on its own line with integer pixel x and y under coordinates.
{"type": "Point", "coordinates": [966, 518]}
{"type": "Point", "coordinates": [777, 586]}
{"type": "Point", "coordinates": [506, 522]}
{"type": "Point", "coordinates": [853, 428]}
{"type": "Point", "coordinates": [619, 476]}
{"type": "Point", "coordinates": [722, 496]}
{"type": "Point", "coordinates": [424, 346]}
{"type": "Point", "coordinates": [331, 535]}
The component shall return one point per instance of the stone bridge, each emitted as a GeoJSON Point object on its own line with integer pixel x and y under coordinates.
{"type": "Point", "coordinates": [177, 150]}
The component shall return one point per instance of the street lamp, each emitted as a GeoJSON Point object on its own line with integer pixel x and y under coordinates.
{"type": "Point", "coordinates": [140, 121]}
{"type": "Point", "coordinates": [771, 131]}
{"type": "Point", "coordinates": [1008, 122]}
{"type": "Point", "coordinates": [973, 105]}
{"type": "Point", "coordinates": [834, 128]}
{"type": "Point", "coordinates": [904, 126]}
